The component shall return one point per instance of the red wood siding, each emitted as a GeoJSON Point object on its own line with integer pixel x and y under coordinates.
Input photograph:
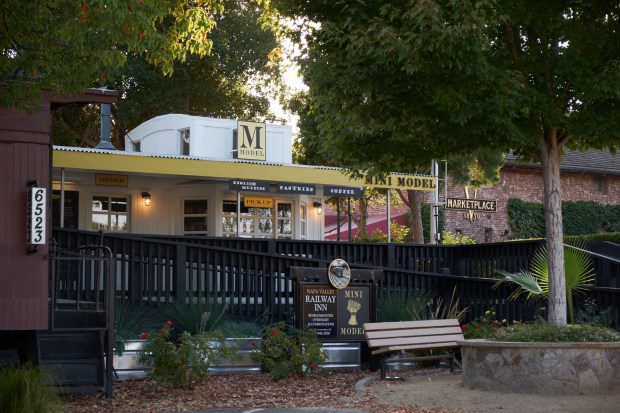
{"type": "Point", "coordinates": [24, 154]}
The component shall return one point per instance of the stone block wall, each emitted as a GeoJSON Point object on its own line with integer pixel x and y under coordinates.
{"type": "Point", "coordinates": [542, 368]}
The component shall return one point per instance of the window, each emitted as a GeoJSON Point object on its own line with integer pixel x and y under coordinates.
{"type": "Point", "coordinates": [600, 184]}
{"type": "Point", "coordinates": [136, 146]}
{"type": "Point", "coordinates": [184, 142]}
{"type": "Point", "coordinates": [488, 235]}
{"type": "Point", "coordinates": [303, 220]}
{"type": "Point", "coordinates": [195, 216]}
{"type": "Point", "coordinates": [110, 213]}
{"type": "Point", "coordinates": [285, 220]}
{"type": "Point", "coordinates": [254, 222]}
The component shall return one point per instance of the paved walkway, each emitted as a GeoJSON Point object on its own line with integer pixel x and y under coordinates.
{"type": "Point", "coordinates": [278, 410]}
{"type": "Point", "coordinates": [445, 391]}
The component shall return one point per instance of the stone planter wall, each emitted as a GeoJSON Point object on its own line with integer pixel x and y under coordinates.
{"type": "Point", "coordinates": [542, 368]}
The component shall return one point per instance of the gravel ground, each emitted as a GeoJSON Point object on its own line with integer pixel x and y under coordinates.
{"type": "Point", "coordinates": [434, 389]}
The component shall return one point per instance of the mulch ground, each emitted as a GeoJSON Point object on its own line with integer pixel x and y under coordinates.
{"type": "Point", "coordinates": [250, 390]}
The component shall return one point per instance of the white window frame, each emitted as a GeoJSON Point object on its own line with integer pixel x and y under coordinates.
{"type": "Point", "coordinates": [109, 213]}
{"type": "Point", "coordinates": [206, 215]}
{"type": "Point", "coordinates": [277, 202]}
{"type": "Point", "coordinates": [303, 220]}
{"type": "Point", "coordinates": [182, 141]}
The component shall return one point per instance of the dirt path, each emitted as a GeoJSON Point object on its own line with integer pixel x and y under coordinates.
{"type": "Point", "coordinates": [445, 391]}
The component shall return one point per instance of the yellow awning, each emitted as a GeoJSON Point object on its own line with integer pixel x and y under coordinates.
{"type": "Point", "coordinates": [123, 162]}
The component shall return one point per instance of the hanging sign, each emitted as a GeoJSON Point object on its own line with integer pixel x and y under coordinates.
{"type": "Point", "coordinates": [250, 141]}
{"type": "Point", "coordinates": [111, 180]}
{"type": "Point", "coordinates": [248, 185]}
{"type": "Point", "coordinates": [346, 191]}
{"type": "Point", "coordinates": [464, 204]}
{"type": "Point", "coordinates": [290, 188]}
{"type": "Point", "coordinates": [36, 206]}
{"type": "Point", "coordinates": [402, 181]}
{"type": "Point", "coordinates": [257, 202]}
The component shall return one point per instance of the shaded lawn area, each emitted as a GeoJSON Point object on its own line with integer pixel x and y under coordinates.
{"type": "Point", "coordinates": [248, 390]}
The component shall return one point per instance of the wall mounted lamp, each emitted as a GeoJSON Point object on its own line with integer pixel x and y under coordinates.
{"type": "Point", "coordinates": [147, 198]}
{"type": "Point", "coordinates": [318, 207]}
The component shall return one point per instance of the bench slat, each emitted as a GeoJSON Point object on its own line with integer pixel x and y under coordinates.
{"type": "Point", "coordinates": [416, 347]}
{"type": "Point", "coordinates": [397, 325]}
{"type": "Point", "coordinates": [405, 341]}
{"type": "Point", "coordinates": [417, 332]}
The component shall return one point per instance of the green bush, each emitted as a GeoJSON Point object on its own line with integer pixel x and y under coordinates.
{"type": "Point", "coordinates": [584, 239]}
{"type": "Point", "coordinates": [27, 389]}
{"type": "Point", "coordinates": [527, 219]}
{"type": "Point", "coordinates": [541, 331]}
{"type": "Point", "coordinates": [591, 313]}
{"type": "Point", "coordinates": [198, 315]}
{"type": "Point", "coordinates": [448, 239]}
{"type": "Point", "coordinates": [484, 326]}
{"type": "Point", "coordinates": [181, 364]}
{"type": "Point", "coordinates": [283, 355]}
{"type": "Point", "coordinates": [232, 329]}
{"type": "Point", "coordinates": [401, 306]}
{"type": "Point", "coordinates": [129, 322]}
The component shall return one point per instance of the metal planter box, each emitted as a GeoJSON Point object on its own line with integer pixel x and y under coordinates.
{"type": "Point", "coordinates": [342, 356]}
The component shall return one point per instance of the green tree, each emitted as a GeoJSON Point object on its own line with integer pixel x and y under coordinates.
{"type": "Point", "coordinates": [435, 79]}
{"type": "Point", "coordinates": [65, 46]}
{"type": "Point", "coordinates": [243, 60]}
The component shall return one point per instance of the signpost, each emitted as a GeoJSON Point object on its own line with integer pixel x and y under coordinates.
{"type": "Point", "coordinates": [335, 302]}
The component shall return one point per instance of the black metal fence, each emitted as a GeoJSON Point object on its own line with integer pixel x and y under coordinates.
{"type": "Point", "coordinates": [251, 277]}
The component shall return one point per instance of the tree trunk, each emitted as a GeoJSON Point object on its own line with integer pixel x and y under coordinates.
{"type": "Point", "coordinates": [415, 200]}
{"type": "Point", "coordinates": [361, 220]}
{"type": "Point", "coordinates": [550, 161]}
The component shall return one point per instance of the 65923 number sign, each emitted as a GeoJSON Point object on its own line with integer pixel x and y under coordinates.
{"type": "Point", "coordinates": [36, 216]}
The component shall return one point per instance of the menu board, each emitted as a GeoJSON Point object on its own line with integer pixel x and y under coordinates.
{"type": "Point", "coordinates": [335, 313]}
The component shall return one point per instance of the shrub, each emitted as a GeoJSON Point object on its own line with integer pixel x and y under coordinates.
{"type": "Point", "coordinates": [590, 313]}
{"type": "Point", "coordinates": [198, 315]}
{"type": "Point", "coordinates": [130, 322]}
{"type": "Point", "coordinates": [448, 239]}
{"type": "Point", "coordinates": [27, 389]}
{"type": "Point", "coordinates": [184, 363]}
{"type": "Point", "coordinates": [399, 234]}
{"type": "Point", "coordinates": [401, 306]}
{"type": "Point", "coordinates": [527, 219]}
{"type": "Point", "coordinates": [233, 329]}
{"type": "Point", "coordinates": [282, 355]}
{"type": "Point", "coordinates": [484, 326]}
{"type": "Point", "coordinates": [541, 331]}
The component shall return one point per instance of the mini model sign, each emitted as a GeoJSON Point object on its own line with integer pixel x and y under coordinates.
{"type": "Point", "coordinates": [338, 310]}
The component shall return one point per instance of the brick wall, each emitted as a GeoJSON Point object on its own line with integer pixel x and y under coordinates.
{"type": "Point", "coordinates": [526, 184]}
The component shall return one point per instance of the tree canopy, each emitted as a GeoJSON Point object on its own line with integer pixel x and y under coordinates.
{"type": "Point", "coordinates": [67, 46]}
{"type": "Point", "coordinates": [431, 79]}
{"type": "Point", "coordinates": [398, 82]}
{"type": "Point", "coordinates": [233, 81]}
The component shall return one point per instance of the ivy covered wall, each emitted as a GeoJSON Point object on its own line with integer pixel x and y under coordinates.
{"type": "Point", "coordinates": [527, 219]}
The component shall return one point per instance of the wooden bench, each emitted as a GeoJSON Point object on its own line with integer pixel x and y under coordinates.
{"type": "Point", "coordinates": [386, 338]}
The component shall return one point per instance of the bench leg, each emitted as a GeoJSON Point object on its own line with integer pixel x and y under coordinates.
{"type": "Point", "coordinates": [383, 368]}
{"type": "Point", "coordinates": [452, 362]}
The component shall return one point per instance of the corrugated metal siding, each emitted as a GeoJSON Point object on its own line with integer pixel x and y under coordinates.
{"type": "Point", "coordinates": [24, 154]}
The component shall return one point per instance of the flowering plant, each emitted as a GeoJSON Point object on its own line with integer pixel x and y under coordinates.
{"type": "Point", "coordinates": [282, 355]}
{"type": "Point", "coordinates": [484, 326]}
{"type": "Point", "coordinates": [183, 363]}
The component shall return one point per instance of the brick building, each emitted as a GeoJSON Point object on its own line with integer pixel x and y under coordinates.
{"type": "Point", "coordinates": [585, 176]}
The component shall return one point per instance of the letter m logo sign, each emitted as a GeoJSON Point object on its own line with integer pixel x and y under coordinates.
{"type": "Point", "coordinates": [250, 141]}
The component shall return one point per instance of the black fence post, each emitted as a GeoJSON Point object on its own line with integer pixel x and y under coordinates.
{"type": "Point", "coordinates": [134, 274]}
{"type": "Point", "coordinates": [391, 256]}
{"type": "Point", "coordinates": [180, 266]}
{"type": "Point", "coordinates": [271, 246]}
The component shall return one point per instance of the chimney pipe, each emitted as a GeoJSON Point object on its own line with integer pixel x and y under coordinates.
{"type": "Point", "coordinates": [105, 142]}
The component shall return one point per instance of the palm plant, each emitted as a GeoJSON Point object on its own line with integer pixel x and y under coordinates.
{"type": "Point", "coordinates": [199, 315]}
{"type": "Point", "coordinates": [579, 273]}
